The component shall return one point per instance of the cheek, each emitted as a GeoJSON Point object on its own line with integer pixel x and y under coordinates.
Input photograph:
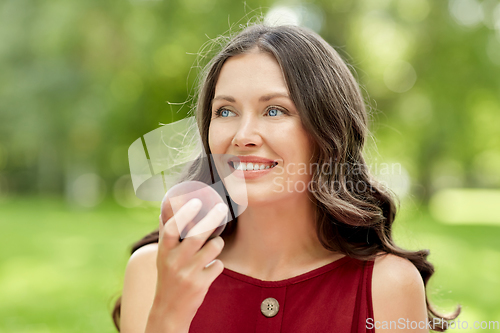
{"type": "Point", "coordinates": [302, 152]}
{"type": "Point", "coordinates": [215, 139]}
{"type": "Point", "coordinates": [210, 139]}
{"type": "Point", "coordinates": [296, 139]}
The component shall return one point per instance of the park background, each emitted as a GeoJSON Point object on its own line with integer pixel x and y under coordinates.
{"type": "Point", "coordinates": [81, 80]}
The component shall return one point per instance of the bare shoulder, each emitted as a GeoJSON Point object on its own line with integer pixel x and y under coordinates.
{"type": "Point", "coordinates": [144, 255]}
{"type": "Point", "coordinates": [141, 266]}
{"type": "Point", "coordinates": [398, 292]}
{"type": "Point", "coordinates": [391, 271]}
{"type": "Point", "coordinates": [142, 263]}
{"type": "Point", "coordinates": [138, 288]}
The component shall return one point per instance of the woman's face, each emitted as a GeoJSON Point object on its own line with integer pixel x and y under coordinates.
{"type": "Point", "coordinates": [254, 117]}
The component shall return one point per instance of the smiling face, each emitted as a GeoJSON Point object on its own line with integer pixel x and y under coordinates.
{"type": "Point", "coordinates": [253, 115]}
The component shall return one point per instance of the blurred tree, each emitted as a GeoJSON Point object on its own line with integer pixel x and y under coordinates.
{"type": "Point", "coordinates": [82, 80]}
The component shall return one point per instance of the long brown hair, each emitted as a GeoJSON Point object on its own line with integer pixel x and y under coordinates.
{"type": "Point", "coordinates": [352, 219]}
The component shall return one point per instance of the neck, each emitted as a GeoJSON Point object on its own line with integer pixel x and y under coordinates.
{"type": "Point", "coordinates": [275, 241]}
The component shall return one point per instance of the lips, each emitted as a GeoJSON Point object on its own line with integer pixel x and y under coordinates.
{"type": "Point", "coordinates": [251, 159]}
{"type": "Point", "coordinates": [239, 164]}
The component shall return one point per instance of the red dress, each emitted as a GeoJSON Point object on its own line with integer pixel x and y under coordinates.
{"type": "Point", "coordinates": [332, 298]}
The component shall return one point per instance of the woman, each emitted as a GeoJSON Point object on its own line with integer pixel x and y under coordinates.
{"type": "Point", "coordinates": [313, 251]}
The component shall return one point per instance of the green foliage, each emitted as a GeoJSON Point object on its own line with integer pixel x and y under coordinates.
{"type": "Point", "coordinates": [62, 268]}
{"type": "Point", "coordinates": [82, 80]}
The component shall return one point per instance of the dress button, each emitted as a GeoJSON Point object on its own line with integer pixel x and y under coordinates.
{"type": "Point", "coordinates": [269, 307]}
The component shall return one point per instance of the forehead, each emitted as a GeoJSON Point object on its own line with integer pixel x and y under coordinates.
{"type": "Point", "coordinates": [255, 72]}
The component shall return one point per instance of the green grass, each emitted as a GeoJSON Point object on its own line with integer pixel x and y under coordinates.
{"type": "Point", "coordinates": [61, 268]}
{"type": "Point", "coordinates": [466, 259]}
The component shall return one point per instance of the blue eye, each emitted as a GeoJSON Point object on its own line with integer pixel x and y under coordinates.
{"type": "Point", "coordinates": [222, 113]}
{"type": "Point", "coordinates": [225, 113]}
{"type": "Point", "coordinates": [274, 112]}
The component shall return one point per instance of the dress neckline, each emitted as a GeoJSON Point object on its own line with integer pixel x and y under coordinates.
{"type": "Point", "coordinates": [296, 279]}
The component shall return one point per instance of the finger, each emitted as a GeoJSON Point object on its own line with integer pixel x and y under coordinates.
{"type": "Point", "coordinates": [208, 252]}
{"type": "Point", "coordinates": [210, 222]}
{"type": "Point", "coordinates": [174, 226]}
{"type": "Point", "coordinates": [213, 270]}
{"type": "Point", "coordinates": [216, 217]}
{"type": "Point", "coordinates": [160, 229]}
{"type": "Point", "coordinates": [185, 215]}
{"type": "Point", "coordinates": [166, 211]}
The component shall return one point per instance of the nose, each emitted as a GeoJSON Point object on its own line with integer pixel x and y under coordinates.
{"type": "Point", "coordinates": [247, 134]}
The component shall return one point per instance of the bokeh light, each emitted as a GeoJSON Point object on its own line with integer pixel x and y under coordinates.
{"type": "Point", "coordinates": [466, 206]}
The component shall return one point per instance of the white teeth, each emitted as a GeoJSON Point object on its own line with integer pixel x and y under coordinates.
{"type": "Point", "coordinates": [250, 166]}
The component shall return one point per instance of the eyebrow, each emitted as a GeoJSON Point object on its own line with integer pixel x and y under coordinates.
{"type": "Point", "coordinates": [263, 98]}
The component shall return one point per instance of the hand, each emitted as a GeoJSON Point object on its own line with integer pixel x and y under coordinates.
{"type": "Point", "coordinates": [187, 269]}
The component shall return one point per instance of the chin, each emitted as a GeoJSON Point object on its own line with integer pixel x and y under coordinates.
{"type": "Point", "coordinates": [258, 201]}
{"type": "Point", "coordinates": [267, 198]}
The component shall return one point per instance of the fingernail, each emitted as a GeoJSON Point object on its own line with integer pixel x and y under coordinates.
{"type": "Point", "coordinates": [194, 203]}
{"type": "Point", "coordinates": [222, 207]}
